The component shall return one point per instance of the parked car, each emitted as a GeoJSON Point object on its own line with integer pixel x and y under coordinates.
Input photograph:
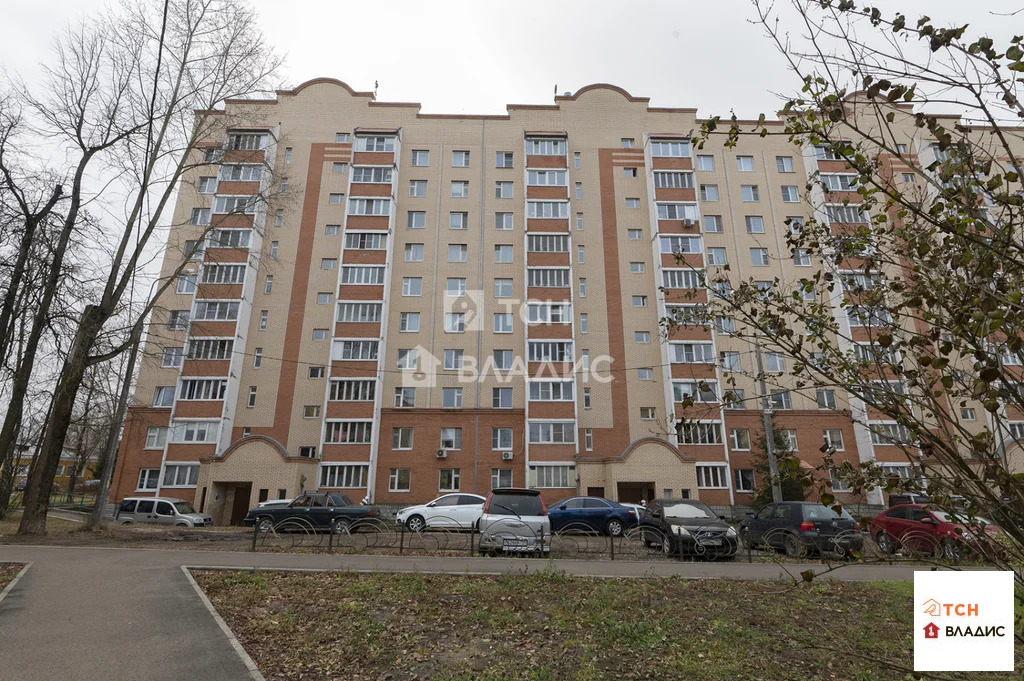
{"type": "Point", "coordinates": [932, 531]}
{"type": "Point", "coordinates": [275, 502]}
{"type": "Point", "coordinates": [801, 527]}
{"type": "Point", "coordinates": [20, 485]}
{"type": "Point", "coordinates": [457, 511]}
{"type": "Point", "coordinates": [908, 498]}
{"type": "Point", "coordinates": [161, 511]}
{"type": "Point", "coordinates": [311, 511]}
{"type": "Point", "coordinates": [516, 521]}
{"type": "Point", "coordinates": [592, 513]}
{"type": "Point", "coordinates": [687, 526]}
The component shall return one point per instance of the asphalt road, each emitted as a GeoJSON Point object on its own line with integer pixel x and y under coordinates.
{"type": "Point", "coordinates": [129, 614]}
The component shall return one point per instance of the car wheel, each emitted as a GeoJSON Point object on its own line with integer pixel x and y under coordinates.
{"type": "Point", "coordinates": [791, 545]}
{"type": "Point", "coordinates": [265, 524]}
{"type": "Point", "coordinates": [342, 526]}
{"type": "Point", "coordinates": [666, 546]}
{"type": "Point", "coordinates": [614, 528]}
{"type": "Point", "coordinates": [885, 543]}
{"type": "Point", "coordinates": [950, 550]}
{"type": "Point", "coordinates": [416, 523]}
{"type": "Point", "coordinates": [745, 538]}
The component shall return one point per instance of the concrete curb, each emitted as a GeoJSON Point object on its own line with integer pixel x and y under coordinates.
{"type": "Point", "coordinates": [254, 671]}
{"type": "Point", "coordinates": [10, 586]}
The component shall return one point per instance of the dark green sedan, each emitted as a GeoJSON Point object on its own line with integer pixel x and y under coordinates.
{"type": "Point", "coordinates": [310, 511]}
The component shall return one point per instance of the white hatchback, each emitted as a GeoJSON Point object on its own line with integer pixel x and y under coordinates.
{"type": "Point", "coordinates": [451, 511]}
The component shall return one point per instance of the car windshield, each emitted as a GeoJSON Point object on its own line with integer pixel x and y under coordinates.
{"type": "Point", "coordinates": [691, 510]}
{"type": "Point", "coordinates": [960, 518]}
{"type": "Point", "coordinates": [824, 513]}
{"type": "Point", "coordinates": [184, 507]}
{"type": "Point", "coordinates": [516, 504]}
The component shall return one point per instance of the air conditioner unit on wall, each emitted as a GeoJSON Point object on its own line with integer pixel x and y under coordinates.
{"type": "Point", "coordinates": [689, 222]}
{"type": "Point", "coordinates": [442, 453]}
{"type": "Point", "coordinates": [506, 456]}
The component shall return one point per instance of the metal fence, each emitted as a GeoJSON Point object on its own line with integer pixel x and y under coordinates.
{"type": "Point", "coordinates": [514, 536]}
{"type": "Point", "coordinates": [511, 536]}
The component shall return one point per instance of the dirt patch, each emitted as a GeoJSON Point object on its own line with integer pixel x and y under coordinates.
{"type": "Point", "coordinates": [548, 626]}
{"type": "Point", "coordinates": [61, 532]}
{"type": "Point", "coordinates": [8, 571]}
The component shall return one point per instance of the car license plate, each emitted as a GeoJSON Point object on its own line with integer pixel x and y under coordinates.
{"type": "Point", "coordinates": [514, 543]}
{"type": "Point", "coordinates": [710, 542]}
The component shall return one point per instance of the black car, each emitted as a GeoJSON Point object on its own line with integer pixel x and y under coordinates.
{"type": "Point", "coordinates": [311, 512]}
{"type": "Point", "coordinates": [802, 527]}
{"type": "Point", "coordinates": [689, 527]}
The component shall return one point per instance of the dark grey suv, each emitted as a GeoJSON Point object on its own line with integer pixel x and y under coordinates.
{"type": "Point", "coordinates": [802, 527]}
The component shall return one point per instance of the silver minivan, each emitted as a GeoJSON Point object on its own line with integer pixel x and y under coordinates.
{"type": "Point", "coordinates": [160, 511]}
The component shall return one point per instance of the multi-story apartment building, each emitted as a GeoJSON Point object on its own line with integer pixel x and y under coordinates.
{"type": "Point", "coordinates": [436, 303]}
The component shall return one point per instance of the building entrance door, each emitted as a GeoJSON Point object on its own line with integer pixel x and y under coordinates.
{"type": "Point", "coordinates": [633, 492]}
{"type": "Point", "coordinates": [240, 506]}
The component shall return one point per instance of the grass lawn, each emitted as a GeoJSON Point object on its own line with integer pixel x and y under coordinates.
{"type": "Point", "coordinates": [8, 571]}
{"type": "Point", "coordinates": [550, 627]}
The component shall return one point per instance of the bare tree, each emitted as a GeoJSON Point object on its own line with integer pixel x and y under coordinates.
{"type": "Point", "coordinates": [146, 79]}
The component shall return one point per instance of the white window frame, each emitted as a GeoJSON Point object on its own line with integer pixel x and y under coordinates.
{"type": "Point", "coordinates": [712, 476]}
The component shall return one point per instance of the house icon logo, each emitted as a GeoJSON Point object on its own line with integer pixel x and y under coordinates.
{"type": "Point", "coordinates": [931, 630]}
{"type": "Point", "coordinates": [932, 607]}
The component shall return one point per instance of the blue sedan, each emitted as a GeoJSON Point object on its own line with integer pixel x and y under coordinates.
{"type": "Point", "coordinates": [591, 514]}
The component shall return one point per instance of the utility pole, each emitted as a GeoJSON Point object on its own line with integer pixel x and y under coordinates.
{"type": "Point", "coordinates": [769, 434]}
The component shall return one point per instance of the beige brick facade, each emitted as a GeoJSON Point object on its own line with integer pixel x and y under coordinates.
{"type": "Point", "coordinates": [393, 223]}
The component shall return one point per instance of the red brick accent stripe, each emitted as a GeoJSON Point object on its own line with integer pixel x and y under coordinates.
{"type": "Point", "coordinates": [614, 439]}
{"type": "Point", "coordinates": [297, 302]}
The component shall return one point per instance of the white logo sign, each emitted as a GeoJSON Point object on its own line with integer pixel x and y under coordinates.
{"type": "Point", "coordinates": [963, 621]}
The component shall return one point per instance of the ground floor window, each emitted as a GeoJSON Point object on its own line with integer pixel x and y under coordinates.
{"type": "Point", "coordinates": [712, 476]}
{"type": "Point", "coordinates": [148, 478]}
{"type": "Point", "coordinates": [744, 479]}
{"type": "Point", "coordinates": [399, 480]}
{"type": "Point", "coordinates": [501, 477]}
{"type": "Point", "coordinates": [181, 475]}
{"type": "Point", "coordinates": [343, 475]}
{"type": "Point", "coordinates": [838, 483]}
{"type": "Point", "coordinates": [449, 480]}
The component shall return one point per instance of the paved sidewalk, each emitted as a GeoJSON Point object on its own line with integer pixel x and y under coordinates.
{"type": "Point", "coordinates": [128, 614]}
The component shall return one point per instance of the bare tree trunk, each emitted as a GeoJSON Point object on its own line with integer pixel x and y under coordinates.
{"type": "Point", "coordinates": [81, 443]}
{"type": "Point", "coordinates": [95, 522]}
{"type": "Point", "coordinates": [44, 465]}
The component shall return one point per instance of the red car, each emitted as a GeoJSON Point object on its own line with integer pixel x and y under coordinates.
{"type": "Point", "coordinates": [928, 530]}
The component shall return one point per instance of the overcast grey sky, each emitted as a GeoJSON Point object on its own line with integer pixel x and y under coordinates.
{"type": "Point", "coordinates": [475, 56]}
